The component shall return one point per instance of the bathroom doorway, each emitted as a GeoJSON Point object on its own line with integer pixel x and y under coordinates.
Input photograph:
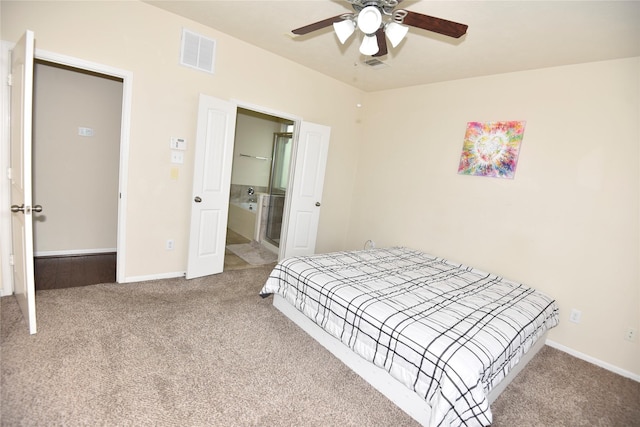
{"type": "Point", "coordinates": [260, 173]}
{"type": "Point", "coordinates": [301, 215]}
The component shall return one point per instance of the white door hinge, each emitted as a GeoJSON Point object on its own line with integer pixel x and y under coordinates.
{"type": "Point", "coordinates": [11, 261]}
{"type": "Point", "coordinates": [10, 80]}
{"type": "Point", "coordinates": [9, 173]}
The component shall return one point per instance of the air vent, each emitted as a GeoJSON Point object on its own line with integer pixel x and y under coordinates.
{"type": "Point", "coordinates": [375, 63]}
{"type": "Point", "coordinates": [197, 51]}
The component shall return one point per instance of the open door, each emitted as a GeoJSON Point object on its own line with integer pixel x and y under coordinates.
{"type": "Point", "coordinates": [306, 190]}
{"type": "Point", "coordinates": [211, 185]}
{"type": "Point", "coordinates": [20, 176]}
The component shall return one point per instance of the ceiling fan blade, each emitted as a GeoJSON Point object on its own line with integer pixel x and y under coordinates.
{"type": "Point", "coordinates": [382, 43]}
{"type": "Point", "coordinates": [437, 25]}
{"type": "Point", "coordinates": [317, 25]}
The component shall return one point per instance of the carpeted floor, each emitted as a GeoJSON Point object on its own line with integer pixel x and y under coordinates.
{"type": "Point", "coordinates": [211, 352]}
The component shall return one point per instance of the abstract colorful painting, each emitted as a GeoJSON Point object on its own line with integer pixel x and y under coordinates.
{"type": "Point", "coordinates": [491, 149]}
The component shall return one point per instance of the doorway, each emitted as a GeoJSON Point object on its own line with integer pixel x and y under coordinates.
{"type": "Point", "coordinates": [216, 128]}
{"type": "Point", "coordinates": [77, 118]}
{"type": "Point", "coordinates": [260, 172]}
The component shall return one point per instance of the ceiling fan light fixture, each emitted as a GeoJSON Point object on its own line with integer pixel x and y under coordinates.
{"type": "Point", "coordinates": [369, 20]}
{"type": "Point", "coordinates": [369, 45]}
{"type": "Point", "coordinates": [344, 29]}
{"type": "Point", "coordinates": [381, 25]}
{"type": "Point", "coordinates": [395, 33]}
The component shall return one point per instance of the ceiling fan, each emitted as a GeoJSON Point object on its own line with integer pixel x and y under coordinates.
{"type": "Point", "coordinates": [377, 19]}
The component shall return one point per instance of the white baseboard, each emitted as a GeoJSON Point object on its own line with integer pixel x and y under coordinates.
{"type": "Point", "coordinates": [173, 275]}
{"type": "Point", "coordinates": [74, 252]}
{"type": "Point", "coordinates": [593, 360]}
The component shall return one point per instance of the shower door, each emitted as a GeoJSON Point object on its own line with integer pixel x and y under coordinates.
{"type": "Point", "coordinates": [281, 160]}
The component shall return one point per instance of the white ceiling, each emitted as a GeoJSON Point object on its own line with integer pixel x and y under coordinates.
{"type": "Point", "coordinates": [503, 36]}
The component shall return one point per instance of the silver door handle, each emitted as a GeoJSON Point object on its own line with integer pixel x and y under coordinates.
{"type": "Point", "coordinates": [197, 199]}
{"type": "Point", "coordinates": [317, 203]}
{"type": "Point", "coordinates": [21, 208]}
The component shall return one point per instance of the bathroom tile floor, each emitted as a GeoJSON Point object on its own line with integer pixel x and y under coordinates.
{"type": "Point", "coordinates": [231, 260]}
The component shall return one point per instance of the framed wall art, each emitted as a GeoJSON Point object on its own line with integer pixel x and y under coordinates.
{"type": "Point", "coordinates": [491, 149]}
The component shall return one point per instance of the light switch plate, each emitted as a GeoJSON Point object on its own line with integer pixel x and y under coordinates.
{"type": "Point", "coordinates": [82, 131]}
{"type": "Point", "coordinates": [177, 157]}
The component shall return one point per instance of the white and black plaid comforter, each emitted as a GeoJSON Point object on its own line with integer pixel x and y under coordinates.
{"type": "Point", "coordinates": [447, 331]}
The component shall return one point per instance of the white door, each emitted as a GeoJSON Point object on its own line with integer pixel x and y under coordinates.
{"type": "Point", "coordinates": [20, 173]}
{"type": "Point", "coordinates": [305, 193]}
{"type": "Point", "coordinates": [211, 186]}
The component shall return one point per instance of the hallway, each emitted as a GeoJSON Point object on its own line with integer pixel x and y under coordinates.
{"type": "Point", "coordinates": [57, 272]}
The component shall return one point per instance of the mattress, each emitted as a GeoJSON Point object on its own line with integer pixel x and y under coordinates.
{"type": "Point", "coordinates": [447, 331]}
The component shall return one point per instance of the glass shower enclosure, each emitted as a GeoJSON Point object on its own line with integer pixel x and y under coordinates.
{"type": "Point", "coordinates": [281, 160]}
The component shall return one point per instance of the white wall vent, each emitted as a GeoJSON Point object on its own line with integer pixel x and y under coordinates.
{"type": "Point", "coordinates": [197, 51]}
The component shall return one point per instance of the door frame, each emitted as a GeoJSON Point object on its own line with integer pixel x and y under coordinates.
{"type": "Point", "coordinates": [125, 127]}
{"type": "Point", "coordinates": [297, 120]}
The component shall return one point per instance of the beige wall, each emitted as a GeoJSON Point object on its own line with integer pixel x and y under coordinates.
{"type": "Point", "coordinates": [75, 178]}
{"type": "Point", "coordinates": [567, 224]}
{"type": "Point", "coordinates": [144, 40]}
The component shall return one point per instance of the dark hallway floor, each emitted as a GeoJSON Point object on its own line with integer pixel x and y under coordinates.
{"type": "Point", "coordinates": [56, 272]}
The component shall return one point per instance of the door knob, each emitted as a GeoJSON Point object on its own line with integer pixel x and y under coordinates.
{"type": "Point", "coordinates": [317, 203]}
{"type": "Point", "coordinates": [197, 199]}
{"type": "Point", "coordinates": [21, 208]}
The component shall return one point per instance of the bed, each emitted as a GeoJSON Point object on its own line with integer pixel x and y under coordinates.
{"type": "Point", "coordinates": [438, 338]}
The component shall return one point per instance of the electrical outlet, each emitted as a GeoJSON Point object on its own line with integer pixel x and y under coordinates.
{"type": "Point", "coordinates": [169, 245]}
{"type": "Point", "coordinates": [575, 316]}
{"type": "Point", "coordinates": [631, 334]}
